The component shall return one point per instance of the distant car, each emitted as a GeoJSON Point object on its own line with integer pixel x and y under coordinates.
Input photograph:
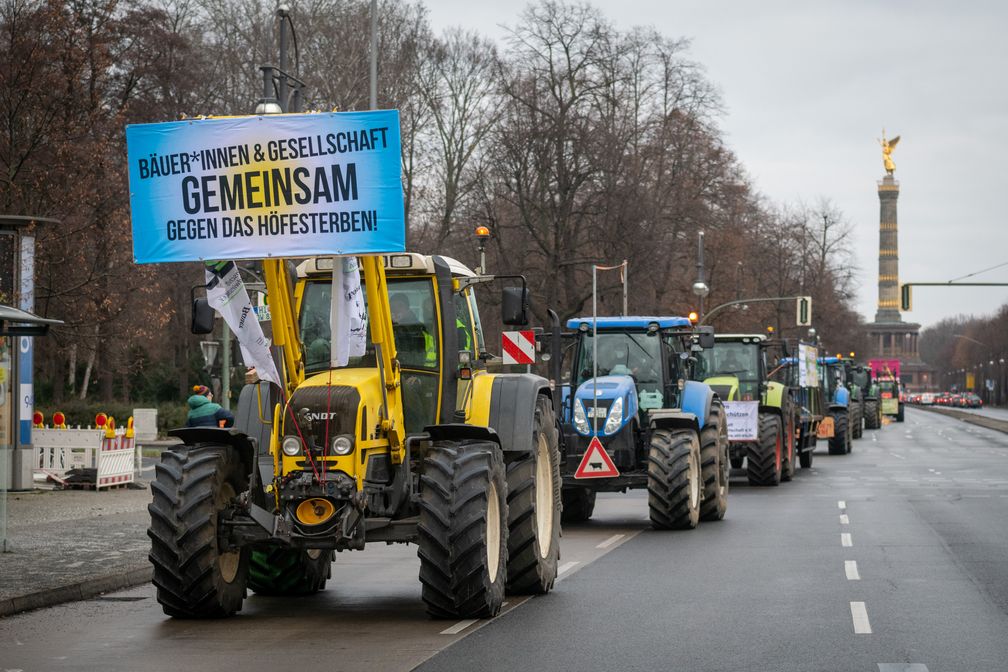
{"type": "Point", "coordinates": [927, 399]}
{"type": "Point", "coordinates": [970, 400]}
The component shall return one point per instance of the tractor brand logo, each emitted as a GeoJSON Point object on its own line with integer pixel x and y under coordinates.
{"type": "Point", "coordinates": [244, 313]}
{"type": "Point", "coordinates": [319, 415]}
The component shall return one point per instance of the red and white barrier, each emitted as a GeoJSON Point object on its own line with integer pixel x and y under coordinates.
{"type": "Point", "coordinates": [60, 450]}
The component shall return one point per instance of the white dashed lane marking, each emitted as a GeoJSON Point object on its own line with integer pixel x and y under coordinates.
{"type": "Point", "coordinates": [860, 617]}
{"type": "Point", "coordinates": [902, 667]}
{"type": "Point", "coordinates": [567, 566]}
{"type": "Point", "coordinates": [459, 627]}
{"type": "Point", "coordinates": [897, 456]}
{"type": "Point", "coordinates": [845, 540]}
{"type": "Point", "coordinates": [851, 570]}
{"type": "Point", "coordinates": [841, 504]}
{"type": "Point", "coordinates": [610, 541]}
{"type": "Point", "coordinates": [844, 520]}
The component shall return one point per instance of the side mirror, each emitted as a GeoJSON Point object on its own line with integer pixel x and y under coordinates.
{"type": "Point", "coordinates": [706, 337]}
{"type": "Point", "coordinates": [514, 306]}
{"type": "Point", "coordinates": [202, 317]}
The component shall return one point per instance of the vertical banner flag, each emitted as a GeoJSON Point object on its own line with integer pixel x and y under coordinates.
{"type": "Point", "coordinates": [290, 185]}
{"type": "Point", "coordinates": [227, 295]}
{"type": "Point", "coordinates": [347, 316]}
{"type": "Point", "coordinates": [808, 373]}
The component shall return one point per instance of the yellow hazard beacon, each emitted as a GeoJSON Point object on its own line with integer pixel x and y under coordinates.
{"type": "Point", "coordinates": [411, 441]}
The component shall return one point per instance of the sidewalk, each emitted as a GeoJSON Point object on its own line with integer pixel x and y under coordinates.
{"type": "Point", "coordinates": [73, 544]}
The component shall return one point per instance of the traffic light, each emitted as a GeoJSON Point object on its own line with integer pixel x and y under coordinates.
{"type": "Point", "coordinates": [804, 311]}
{"type": "Point", "coordinates": [906, 299]}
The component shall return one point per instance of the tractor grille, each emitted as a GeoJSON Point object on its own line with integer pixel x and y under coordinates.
{"type": "Point", "coordinates": [336, 408]}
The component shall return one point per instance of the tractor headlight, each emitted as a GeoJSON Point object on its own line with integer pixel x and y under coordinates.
{"type": "Point", "coordinates": [580, 418]}
{"type": "Point", "coordinates": [291, 446]}
{"type": "Point", "coordinates": [615, 419]}
{"type": "Point", "coordinates": [342, 445]}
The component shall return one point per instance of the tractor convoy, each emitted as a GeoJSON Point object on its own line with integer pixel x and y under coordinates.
{"type": "Point", "coordinates": [374, 411]}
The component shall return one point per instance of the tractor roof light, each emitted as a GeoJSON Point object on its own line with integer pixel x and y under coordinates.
{"type": "Point", "coordinates": [693, 317]}
{"type": "Point", "coordinates": [482, 232]}
{"type": "Point", "coordinates": [770, 329]}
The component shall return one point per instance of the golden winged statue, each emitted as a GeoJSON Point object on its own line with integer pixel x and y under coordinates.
{"type": "Point", "coordinates": [887, 148]}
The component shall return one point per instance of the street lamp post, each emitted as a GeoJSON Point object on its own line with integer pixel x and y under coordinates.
{"type": "Point", "coordinates": [700, 287]}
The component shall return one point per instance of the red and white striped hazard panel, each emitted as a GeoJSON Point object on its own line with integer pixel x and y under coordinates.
{"type": "Point", "coordinates": [518, 347]}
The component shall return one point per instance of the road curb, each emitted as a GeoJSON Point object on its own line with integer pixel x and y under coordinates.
{"type": "Point", "coordinates": [971, 418]}
{"type": "Point", "coordinates": [73, 592]}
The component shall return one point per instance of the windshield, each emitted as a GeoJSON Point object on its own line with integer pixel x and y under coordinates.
{"type": "Point", "coordinates": [414, 325]}
{"type": "Point", "coordinates": [732, 359]}
{"type": "Point", "coordinates": [627, 354]}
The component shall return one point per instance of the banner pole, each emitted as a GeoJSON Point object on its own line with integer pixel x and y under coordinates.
{"type": "Point", "coordinates": [594, 404]}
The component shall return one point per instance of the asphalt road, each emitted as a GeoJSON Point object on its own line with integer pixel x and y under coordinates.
{"type": "Point", "coordinates": [920, 582]}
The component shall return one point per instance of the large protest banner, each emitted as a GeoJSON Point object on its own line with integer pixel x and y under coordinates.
{"type": "Point", "coordinates": [266, 186]}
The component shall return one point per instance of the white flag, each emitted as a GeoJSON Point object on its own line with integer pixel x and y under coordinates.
{"type": "Point", "coordinates": [227, 295]}
{"type": "Point", "coordinates": [347, 316]}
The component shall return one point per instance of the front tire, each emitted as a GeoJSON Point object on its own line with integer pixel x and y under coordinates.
{"type": "Point", "coordinates": [194, 576]}
{"type": "Point", "coordinates": [899, 413]}
{"type": "Point", "coordinates": [534, 509]}
{"type": "Point", "coordinates": [674, 481]}
{"type": "Point", "coordinates": [765, 456]}
{"type": "Point", "coordinates": [289, 571]}
{"type": "Point", "coordinates": [463, 530]}
{"type": "Point", "coordinates": [578, 504]}
{"type": "Point", "coordinates": [714, 465]}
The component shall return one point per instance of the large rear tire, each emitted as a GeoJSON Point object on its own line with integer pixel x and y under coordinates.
{"type": "Point", "coordinates": [899, 414]}
{"type": "Point", "coordinates": [289, 571]}
{"type": "Point", "coordinates": [857, 419]}
{"type": "Point", "coordinates": [674, 481]}
{"type": "Point", "coordinates": [463, 530]}
{"type": "Point", "coordinates": [839, 442]}
{"type": "Point", "coordinates": [714, 464]}
{"type": "Point", "coordinates": [194, 576]}
{"type": "Point", "coordinates": [764, 459]}
{"type": "Point", "coordinates": [872, 414]}
{"type": "Point", "coordinates": [534, 509]}
{"type": "Point", "coordinates": [790, 456]}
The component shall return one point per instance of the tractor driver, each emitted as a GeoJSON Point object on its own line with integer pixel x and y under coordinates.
{"type": "Point", "coordinates": [415, 343]}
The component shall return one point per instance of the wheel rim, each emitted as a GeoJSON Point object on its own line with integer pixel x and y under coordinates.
{"type": "Point", "coordinates": [777, 452]}
{"type": "Point", "coordinates": [694, 480]}
{"type": "Point", "coordinates": [227, 563]}
{"type": "Point", "coordinates": [493, 532]}
{"type": "Point", "coordinates": [544, 497]}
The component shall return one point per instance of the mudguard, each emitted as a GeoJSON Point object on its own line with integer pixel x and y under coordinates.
{"type": "Point", "coordinates": [512, 410]}
{"type": "Point", "coordinates": [696, 399]}
{"type": "Point", "coordinates": [774, 395]}
{"type": "Point", "coordinates": [671, 418]}
{"type": "Point", "coordinates": [842, 398]}
{"type": "Point", "coordinates": [241, 442]}
{"type": "Point", "coordinates": [726, 387]}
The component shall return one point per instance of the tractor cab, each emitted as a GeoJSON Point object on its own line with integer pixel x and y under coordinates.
{"type": "Point", "coordinates": [833, 378]}
{"type": "Point", "coordinates": [736, 367]}
{"type": "Point", "coordinates": [429, 347]}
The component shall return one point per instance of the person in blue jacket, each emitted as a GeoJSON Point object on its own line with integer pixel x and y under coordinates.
{"type": "Point", "coordinates": [203, 412]}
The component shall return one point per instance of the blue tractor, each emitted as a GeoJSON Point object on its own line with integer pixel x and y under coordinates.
{"type": "Point", "coordinates": [659, 428]}
{"type": "Point", "coordinates": [842, 407]}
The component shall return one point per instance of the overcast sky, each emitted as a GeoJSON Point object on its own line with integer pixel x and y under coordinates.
{"type": "Point", "coordinates": [808, 87]}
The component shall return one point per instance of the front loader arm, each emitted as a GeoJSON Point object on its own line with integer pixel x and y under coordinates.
{"type": "Point", "coordinates": [280, 291]}
{"type": "Point", "coordinates": [380, 318]}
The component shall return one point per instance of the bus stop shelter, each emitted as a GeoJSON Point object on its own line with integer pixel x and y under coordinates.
{"type": "Point", "coordinates": [14, 324]}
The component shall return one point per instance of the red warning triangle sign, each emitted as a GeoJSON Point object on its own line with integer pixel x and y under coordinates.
{"type": "Point", "coordinates": [596, 462]}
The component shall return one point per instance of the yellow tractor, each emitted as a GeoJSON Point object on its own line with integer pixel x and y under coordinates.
{"type": "Point", "coordinates": [413, 442]}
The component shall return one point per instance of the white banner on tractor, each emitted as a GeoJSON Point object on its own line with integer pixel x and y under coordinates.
{"type": "Point", "coordinates": [227, 295]}
{"type": "Point", "coordinates": [347, 316]}
{"type": "Point", "coordinates": [743, 420]}
{"type": "Point", "coordinates": [518, 347]}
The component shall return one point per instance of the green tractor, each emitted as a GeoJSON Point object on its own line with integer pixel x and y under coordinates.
{"type": "Point", "coordinates": [736, 369]}
{"type": "Point", "coordinates": [861, 376]}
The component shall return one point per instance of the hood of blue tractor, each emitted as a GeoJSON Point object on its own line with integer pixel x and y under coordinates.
{"type": "Point", "coordinates": [612, 400]}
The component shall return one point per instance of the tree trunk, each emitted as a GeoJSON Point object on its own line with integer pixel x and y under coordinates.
{"type": "Point", "coordinates": [72, 371]}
